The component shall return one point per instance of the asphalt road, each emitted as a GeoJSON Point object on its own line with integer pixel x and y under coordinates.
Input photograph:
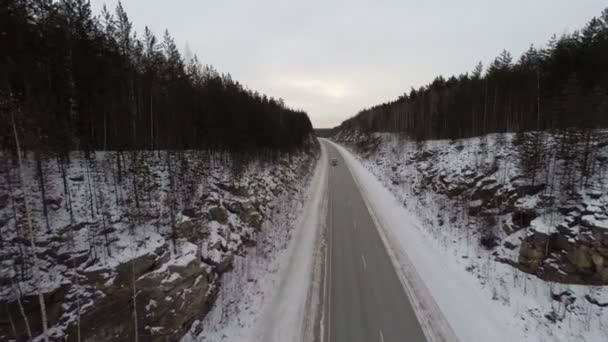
{"type": "Point", "coordinates": [364, 299]}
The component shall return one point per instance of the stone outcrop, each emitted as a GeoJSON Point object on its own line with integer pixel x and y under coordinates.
{"type": "Point", "coordinates": [167, 302]}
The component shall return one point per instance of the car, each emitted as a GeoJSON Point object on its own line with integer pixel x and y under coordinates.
{"type": "Point", "coordinates": [334, 161]}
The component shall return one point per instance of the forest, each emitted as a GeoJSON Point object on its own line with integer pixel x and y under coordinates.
{"type": "Point", "coordinates": [71, 80]}
{"type": "Point", "coordinates": [563, 85]}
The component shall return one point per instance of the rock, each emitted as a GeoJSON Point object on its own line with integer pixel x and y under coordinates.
{"type": "Point", "coordinates": [509, 245]}
{"type": "Point", "coordinates": [251, 216]}
{"type": "Point", "coordinates": [601, 235]}
{"type": "Point", "coordinates": [191, 212]}
{"type": "Point", "coordinates": [564, 229]}
{"type": "Point", "coordinates": [78, 178]}
{"type": "Point", "coordinates": [488, 241]}
{"type": "Point", "coordinates": [424, 155]}
{"type": "Point", "coordinates": [529, 190]}
{"type": "Point", "coordinates": [531, 254]}
{"type": "Point", "coordinates": [595, 194]}
{"type": "Point", "coordinates": [219, 214]}
{"type": "Point", "coordinates": [592, 209]}
{"type": "Point", "coordinates": [455, 190]}
{"type": "Point", "coordinates": [187, 230]}
{"type": "Point", "coordinates": [565, 297]}
{"type": "Point", "coordinates": [604, 275]}
{"type": "Point", "coordinates": [598, 260]}
{"type": "Point", "coordinates": [562, 243]}
{"type": "Point", "coordinates": [523, 217]}
{"type": "Point", "coordinates": [225, 265]}
{"type": "Point", "coordinates": [603, 251]}
{"type": "Point", "coordinates": [53, 202]}
{"type": "Point", "coordinates": [236, 189]}
{"type": "Point", "coordinates": [589, 221]}
{"type": "Point", "coordinates": [238, 207]}
{"type": "Point", "coordinates": [173, 305]}
{"type": "Point", "coordinates": [581, 258]}
{"type": "Point", "coordinates": [566, 209]}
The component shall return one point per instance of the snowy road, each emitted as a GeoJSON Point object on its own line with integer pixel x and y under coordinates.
{"type": "Point", "coordinates": [364, 298]}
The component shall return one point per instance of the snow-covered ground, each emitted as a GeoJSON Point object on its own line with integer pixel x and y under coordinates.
{"type": "Point", "coordinates": [272, 294]}
{"type": "Point", "coordinates": [449, 276]}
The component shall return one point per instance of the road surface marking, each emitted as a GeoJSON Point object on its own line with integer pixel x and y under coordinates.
{"type": "Point", "coordinates": [328, 281]}
{"type": "Point", "coordinates": [364, 263]}
{"type": "Point", "coordinates": [381, 336]}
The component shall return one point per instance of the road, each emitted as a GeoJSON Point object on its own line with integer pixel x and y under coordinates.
{"type": "Point", "coordinates": [364, 299]}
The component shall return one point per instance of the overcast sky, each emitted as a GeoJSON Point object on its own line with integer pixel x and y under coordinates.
{"type": "Point", "coordinates": [334, 58]}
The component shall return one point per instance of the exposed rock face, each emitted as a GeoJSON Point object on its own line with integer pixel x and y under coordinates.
{"type": "Point", "coordinates": [98, 247]}
{"type": "Point", "coordinates": [555, 233]}
{"type": "Point", "coordinates": [566, 258]}
{"type": "Point", "coordinates": [167, 302]}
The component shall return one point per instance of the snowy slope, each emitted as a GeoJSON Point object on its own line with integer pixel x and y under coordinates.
{"type": "Point", "coordinates": [272, 295]}
{"type": "Point", "coordinates": [173, 225]}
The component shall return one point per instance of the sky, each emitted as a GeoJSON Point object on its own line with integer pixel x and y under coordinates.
{"type": "Point", "coordinates": [332, 58]}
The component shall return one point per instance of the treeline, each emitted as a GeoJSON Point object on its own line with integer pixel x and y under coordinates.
{"type": "Point", "coordinates": [564, 85]}
{"type": "Point", "coordinates": [75, 81]}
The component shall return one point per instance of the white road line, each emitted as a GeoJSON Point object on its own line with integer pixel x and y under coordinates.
{"type": "Point", "coordinates": [364, 263]}
{"type": "Point", "coordinates": [381, 336]}
{"type": "Point", "coordinates": [330, 257]}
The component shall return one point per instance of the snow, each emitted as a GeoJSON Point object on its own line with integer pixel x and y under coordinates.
{"type": "Point", "coordinates": [91, 217]}
{"type": "Point", "coordinates": [462, 293]}
{"type": "Point", "coordinates": [269, 294]}
{"type": "Point", "coordinates": [541, 226]}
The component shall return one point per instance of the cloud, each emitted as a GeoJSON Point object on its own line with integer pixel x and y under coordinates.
{"type": "Point", "coordinates": [313, 86]}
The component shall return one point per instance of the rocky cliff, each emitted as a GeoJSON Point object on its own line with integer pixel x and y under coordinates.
{"type": "Point", "coordinates": [132, 243]}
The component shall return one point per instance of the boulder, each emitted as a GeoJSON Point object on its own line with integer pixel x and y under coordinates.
{"type": "Point", "coordinates": [219, 214]}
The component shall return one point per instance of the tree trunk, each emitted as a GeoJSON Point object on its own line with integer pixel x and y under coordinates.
{"type": "Point", "coordinates": [31, 235]}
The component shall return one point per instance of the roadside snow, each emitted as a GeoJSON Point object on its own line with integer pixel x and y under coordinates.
{"type": "Point", "coordinates": [268, 296]}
